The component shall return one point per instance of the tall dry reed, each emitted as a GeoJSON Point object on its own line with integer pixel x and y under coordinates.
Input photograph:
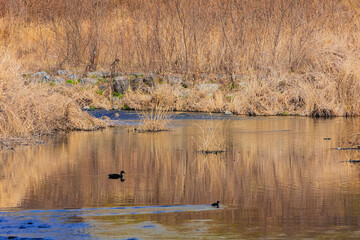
{"type": "Point", "coordinates": [184, 36]}
{"type": "Point", "coordinates": [156, 120]}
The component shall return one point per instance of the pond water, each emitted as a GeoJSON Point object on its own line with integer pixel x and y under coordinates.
{"type": "Point", "coordinates": [280, 177]}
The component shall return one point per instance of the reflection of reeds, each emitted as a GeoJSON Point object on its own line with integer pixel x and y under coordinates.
{"type": "Point", "coordinates": [350, 139]}
{"type": "Point", "coordinates": [155, 120]}
{"type": "Point", "coordinates": [212, 138]}
{"type": "Point", "coordinates": [270, 170]}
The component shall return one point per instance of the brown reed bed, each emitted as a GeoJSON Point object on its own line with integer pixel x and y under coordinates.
{"type": "Point", "coordinates": [189, 37]}
{"type": "Point", "coordinates": [273, 96]}
{"type": "Point", "coordinates": [36, 109]}
{"type": "Point", "coordinates": [301, 57]}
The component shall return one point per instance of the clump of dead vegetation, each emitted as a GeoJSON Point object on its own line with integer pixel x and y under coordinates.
{"type": "Point", "coordinates": [154, 120]}
{"type": "Point", "coordinates": [212, 139]}
{"type": "Point", "coordinates": [36, 109]}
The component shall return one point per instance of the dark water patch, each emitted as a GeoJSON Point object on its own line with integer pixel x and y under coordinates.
{"type": "Point", "coordinates": [149, 226]}
{"type": "Point", "coordinates": [158, 212]}
{"type": "Point", "coordinates": [348, 148]}
{"type": "Point", "coordinates": [43, 228]}
{"type": "Point", "coordinates": [23, 238]}
{"type": "Point", "coordinates": [64, 225]}
{"type": "Point", "coordinates": [352, 161]}
{"type": "Point", "coordinates": [71, 214]}
{"type": "Point", "coordinates": [211, 152]}
{"type": "Point", "coordinates": [135, 116]}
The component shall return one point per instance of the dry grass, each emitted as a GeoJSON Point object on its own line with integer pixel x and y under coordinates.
{"type": "Point", "coordinates": [83, 95]}
{"type": "Point", "coordinates": [155, 120]}
{"type": "Point", "coordinates": [176, 98]}
{"type": "Point", "coordinates": [212, 139]}
{"type": "Point", "coordinates": [190, 37]}
{"type": "Point", "coordinates": [302, 56]}
{"type": "Point", "coordinates": [36, 109]}
{"type": "Point", "coordinates": [316, 96]}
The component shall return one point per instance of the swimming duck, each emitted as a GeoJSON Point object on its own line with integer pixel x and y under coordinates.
{"type": "Point", "coordinates": [216, 204]}
{"type": "Point", "coordinates": [117, 176]}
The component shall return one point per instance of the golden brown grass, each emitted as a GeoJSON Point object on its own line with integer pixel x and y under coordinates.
{"type": "Point", "coordinates": [302, 56]}
{"type": "Point", "coordinates": [83, 95]}
{"type": "Point", "coordinates": [316, 96]}
{"type": "Point", "coordinates": [155, 120]}
{"type": "Point", "coordinates": [36, 109]}
{"type": "Point", "coordinates": [182, 36]}
{"type": "Point", "coordinates": [176, 98]}
{"type": "Point", "coordinates": [212, 137]}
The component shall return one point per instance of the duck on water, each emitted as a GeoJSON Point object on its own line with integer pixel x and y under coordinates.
{"type": "Point", "coordinates": [117, 176]}
{"type": "Point", "coordinates": [217, 205]}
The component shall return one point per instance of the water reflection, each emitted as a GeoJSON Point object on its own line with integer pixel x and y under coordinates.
{"type": "Point", "coordinates": [278, 174]}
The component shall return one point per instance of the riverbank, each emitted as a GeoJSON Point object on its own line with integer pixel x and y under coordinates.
{"type": "Point", "coordinates": [43, 103]}
{"type": "Point", "coordinates": [250, 95]}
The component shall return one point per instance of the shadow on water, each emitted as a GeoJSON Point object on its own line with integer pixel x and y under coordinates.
{"type": "Point", "coordinates": [278, 178]}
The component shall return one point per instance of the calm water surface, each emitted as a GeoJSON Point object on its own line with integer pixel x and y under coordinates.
{"type": "Point", "coordinates": [278, 179]}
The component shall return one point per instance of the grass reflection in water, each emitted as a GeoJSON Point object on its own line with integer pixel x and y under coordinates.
{"type": "Point", "coordinates": [273, 182]}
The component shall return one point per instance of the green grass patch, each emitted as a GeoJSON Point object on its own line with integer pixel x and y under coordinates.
{"type": "Point", "coordinates": [233, 86]}
{"type": "Point", "coordinates": [132, 76]}
{"type": "Point", "coordinates": [126, 107]}
{"type": "Point", "coordinates": [73, 82]}
{"type": "Point", "coordinates": [160, 81]}
{"type": "Point", "coordinates": [119, 95]}
{"type": "Point", "coordinates": [99, 91]}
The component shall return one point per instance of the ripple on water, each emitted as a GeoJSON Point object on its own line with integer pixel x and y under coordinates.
{"type": "Point", "coordinates": [39, 223]}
